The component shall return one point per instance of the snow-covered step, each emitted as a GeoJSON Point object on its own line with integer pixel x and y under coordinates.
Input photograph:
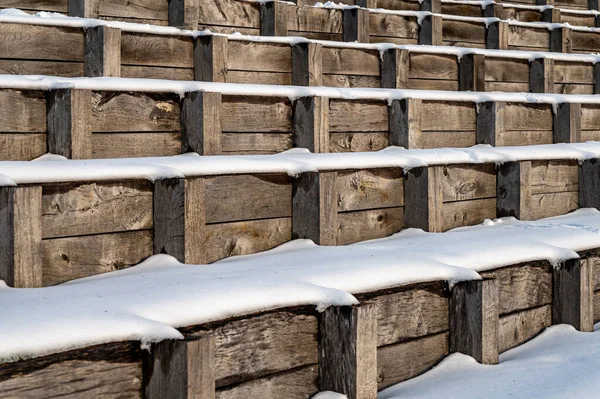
{"type": "Point", "coordinates": [70, 219]}
{"type": "Point", "coordinates": [269, 340]}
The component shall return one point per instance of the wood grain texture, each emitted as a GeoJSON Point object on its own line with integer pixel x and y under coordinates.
{"type": "Point", "coordinates": [463, 31]}
{"type": "Point", "coordinates": [201, 123]}
{"type": "Point", "coordinates": [357, 116]}
{"type": "Point", "coordinates": [255, 143]}
{"type": "Point", "coordinates": [405, 123]}
{"type": "Point", "coordinates": [423, 199]}
{"type": "Point", "coordinates": [245, 114]}
{"type": "Point", "coordinates": [567, 123]}
{"type": "Point", "coordinates": [467, 213]}
{"type": "Point", "coordinates": [311, 123]}
{"type": "Point", "coordinates": [132, 145]}
{"type": "Point", "coordinates": [355, 25]}
{"type": "Point", "coordinates": [357, 142]}
{"type": "Point", "coordinates": [22, 147]}
{"type": "Point", "coordinates": [553, 204]}
{"type": "Point", "coordinates": [367, 225]}
{"type": "Point", "coordinates": [211, 57]}
{"type": "Point", "coordinates": [102, 52]}
{"type": "Point", "coordinates": [457, 116]}
{"type": "Point", "coordinates": [542, 75]}
{"type": "Point", "coordinates": [589, 192]}
{"type": "Point", "coordinates": [572, 294]}
{"type": "Point", "coordinates": [433, 66]}
{"type": "Point", "coordinates": [315, 207]}
{"type": "Point", "coordinates": [390, 25]}
{"type": "Point", "coordinates": [394, 68]}
{"type": "Point", "coordinates": [472, 72]}
{"type": "Point", "coordinates": [466, 182]}
{"type": "Point", "coordinates": [348, 61]}
{"type": "Point", "coordinates": [514, 190]}
{"type": "Point", "coordinates": [157, 50]}
{"type": "Point", "coordinates": [369, 189]}
{"type": "Point", "coordinates": [184, 13]}
{"type": "Point", "coordinates": [554, 176]}
{"type": "Point", "coordinates": [230, 13]}
{"type": "Point", "coordinates": [31, 67]}
{"type": "Point", "coordinates": [517, 328]}
{"type": "Point", "coordinates": [22, 111]}
{"type": "Point", "coordinates": [146, 9]}
{"type": "Point", "coordinates": [38, 42]}
{"type": "Point", "coordinates": [307, 62]}
{"type": "Point", "coordinates": [267, 57]}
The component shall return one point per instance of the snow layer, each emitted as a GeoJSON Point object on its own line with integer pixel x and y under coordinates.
{"type": "Point", "coordinates": [559, 363]}
{"type": "Point", "coordinates": [147, 302]}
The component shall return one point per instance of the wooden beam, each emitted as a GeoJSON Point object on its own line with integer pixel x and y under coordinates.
{"type": "Point", "coordinates": [593, 5]}
{"type": "Point", "coordinates": [201, 123]}
{"type": "Point", "coordinates": [179, 219]}
{"type": "Point", "coordinates": [210, 58]}
{"type": "Point", "coordinates": [394, 67]}
{"type": "Point", "coordinates": [545, 2]}
{"type": "Point", "coordinates": [494, 10]}
{"type": "Point", "coordinates": [355, 25]}
{"type": "Point", "coordinates": [589, 183]}
{"type": "Point", "coordinates": [405, 123]}
{"type": "Point", "coordinates": [596, 21]}
{"type": "Point", "coordinates": [572, 294]}
{"type": "Point", "coordinates": [541, 75]}
{"type": "Point", "coordinates": [497, 36]}
{"type": "Point", "coordinates": [307, 64]}
{"type": "Point", "coordinates": [84, 8]}
{"type": "Point", "coordinates": [366, 3]}
{"type": "Point", "coordinates": [471, 72]}
{"type": "Point", "coordinates": [315, 207]}
{"type": "Point", "coordinates": [514, 190]}
{"type": "Point", "coordinates": [430, 31]}
{"type": "Point", "coordinates": [180, 368]}
{"type": "Point", "coordinates": [433, 6]}
{"type": "Point", "coordinates": [567, 123]}
{"type": "Point", "coordinates": [560, 40]}
{"type": "Point", "coordinates": [21, 237]}
{"type": "Point", "coordinates": [273, 19]}
{"type": "Point", "coordinates": [310, 125]}
{"type": "Point", "coordinates": [474, 320]}
{"type": "Point", "coordinates": [596, 69]}
{"type": "Point", "coordinates": [551, 15]}
{"type": "Point", "coordinates": [184, 13]}
{"type": "Point", "coordinates": [69, 123]}
{"type": "Point", "coordinates": [102, 52]}
{"type": "Point", "coordinates": [423, 199]}
{"type": "Point", "coordinates": [348, 351]}
{"type": "Point", "coordinates": [490, 122]}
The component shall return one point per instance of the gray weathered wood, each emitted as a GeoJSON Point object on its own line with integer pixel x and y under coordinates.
{"type": "Point", "coordinates": [315, 207]}
{"type": "Point", "coordinates": [495, 10]}
{"type": "Point", "coordinates": [490, 122]}
{"type": "Point", "coordinates": [69, 126]}
{"type": "Point", "coordinates": [102, 52]}
{"type": "Point", "coordinates": [179, 219]}
{"type": "Point", "coordinates": [560, 40]}
{"type": "Point", "coordinates": [355, 25]}
{"type": "Point", "coordinates": [310, 127]}
{"type": "Point", "coordinates": [348, 351]}
{"type": "Point", "coordinates": [497, 35]}
{"type": "Point", "coordinates": [21, 236]}
{"type": "Point", "coordinates": [180, 369]}
{"type": "Point", "coordinates": [474, 321]}
{"type": "Point", "coordinates": [210, 58]}
{"type": "Point", "coordinates": [471, 72]}
{"type": "Point", "coordinates": [567, 123]}
{"type": "Point", "coordinates": [541, 75]}
{"type": "Point", "coordinates": [307, 64]}
{"type": "Point", "coordinates": [184, 13]}
{"type": "Point", "coordinates": [596, 78]}
{"type": "Point", "coordinates": [423, 198]}
{"type": "Point", "coordinates": [593, 5]}
{"type": "Point", "coordinates": [405, 123]}
{"type": "Point", "coordinates": [514, 190]}
{"type": "Point", "coordinates": [84, 8]}
{"type": "Point", "coordinates": [589, 183]}
{"type": "Point", "coordinates": [201, 123]}
{"type": "Point", "coordinates": [433, 6]}
{"type": "Point", "coordinates": [430, 31]}
{"type": "Point", "coordinates": [394, 68]}
{"type": "Point", "coordinates": [572, 294]}
{"type": "Point", "coordinates": [273, 19]}
{"type": "Point", "coordinates": [551, 15]}
{"type": "Point", "coordinates": [519, 327]}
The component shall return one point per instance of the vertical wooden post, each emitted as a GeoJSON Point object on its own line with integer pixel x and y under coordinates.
{"type": "Point", "coordinates": [433, 6]}
{"type": "Point", "coordinates": [596, 72]}
{"type": "Point", "coordinates": [596, 21]}
{"type": "Point", "coordinates": [567, 123]}
{"type": "Point", "coordinates": [471, 72]}
{"type": "Point", "coordinates": [514, 190]}
{"type": "Point", "coordinates": [589, 187]}
{"type": "Point", "coordinates": [541, 75]}
{"type": "Point", "coordinates": [210, 58]}
{"type": "Point", "coordinates": [551, 15]}
{"type": "Point", "coordinates": [314, 207]}
{"type": "Point", "coordinates": [184, 13]}
{"type": "Point", "coordinates": [495, 10]}
{"type": "Point", "coordinates": [348, 351]}
{"type": "Point", "coordinates": [355, 23]}
{"type": "Point", "coordinates": [179, 219]}
{"type": "Point", "coordinates": [84, 8]}
{"type": "Point", "coordinates": [497, 36]}
{"type": "Point", "coordinates": [593, 5]}
{"type": "Point", "coordinates": [310, 125]}
{"type": "Point", "coordinates": [307, 64]}
{"type": "Point", "coordinates": [405, 123]}
{"type": "Point", "coordinates": [545, 2]}
{"type": "Point", "coordinates": [273, 19]}
{"type": "Point", "coordinates": [490, 123]}
{"type": "Point", "coordinates": [21, 236]}
{"type": "Point", "coordinates": [474, 320]}
{"type": "Point", "coordinates": [394, 67]}
{"type": "Point", "coordinates": [102, 52]}
{"type": "Point", "coordinates": [201, 123]}
{"type": "Point", "coordinates": [423, 199]}
{"type": "Point", "coordinates": [180, 369]}
{"type": "Point", "coordinates": [430, 31]}
{"type": "Point", "coordinates": [572, 294]}
{"type": "Point", "coordinates": [69, 123]}
{"type": "Point", "coordinates": [560, 40]}
{"type": "Point", "coordinates": [366, 3]}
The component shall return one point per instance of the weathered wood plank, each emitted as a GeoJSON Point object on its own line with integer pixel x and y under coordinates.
{"type": "Point", "coordinates": [572, 294]}
{"type": "Point", "coordinates": [103, 51]}
{"type": "Point", "coordinates": [467, 213]}
{"type": "Point", "coordinates": [22, 111]}
{"type": "Point", "coordinates": [201, 123]}
{"type": "Point", "coordinates": [52, 68]}
{"type": "Point", "coordinates": [266, 57]}
{"type": "Point", "coordinates": [311, 123]}
{"type": "Point", "coordinates": [590, 117]}
{"type": "Point", "coordinates": [514, 190]}
{"type": "Point", "coordinates": [69, 124]}
{"type": "Point", "coordinates": [463, 31]}
{"type": "Point", "coordinates": [423, 199]}
{"type": "Point", "coordinates": [310, 19]}
{"type": "Point", "coordinates": [567, 123]}
{"type": "Point", "coordinates": [553, 204]}
{"type": "Point", "coordinates": [40, 5]}
{"type": "Point", "coordinates": [148, 9]}
{"type": "Point", "coordinates": [211, 55]}
{"type": "Point", "coordinates": [472, 72]}
{"type": "Point", "coordinates": [357, 116]}
{"type": "Point", "coordinates": [524, 137]}
{"type": "Point", "coordinates": [390, 25]}
{"type": "Point", "coordinates": [146, 72]}
{"type": "Point", "coordinates": [462, 139]}
{"type": "Point", "coordinates": [517, 328]}
{"type": "Point", "coordinates": [255, 114]}
{"type": "Point", "coordinates": [38, 42]}
{"type": "Point", "coordinates": [307, 61]}
{"type": "Point", "coordinates": [184, 14]}
{"type": "Point", "coordinates": [528, 117]}
{"type": "Point", "coordinates": [22, 147]}
{"type": "Point", "coordinates": [347, 61]}
{"type": "Point", "coordinates": [527, 36]}
{"type": "Point", "coordinates": [541, 75]}
{"type": "Point", "coordinates": [132, 145]}
{"type": "Point", "coordinates": [554, 176]}
{"type": "Point", "coordinates": [589, 192]}
{"type": "Point", "coordinates": [447, 115]}
{"type": "Point", "coordinates": [466, 182]}
{"type": "Point", "coordinates": [433, 66]}
{"type": "Point", "coordinates": [357, 141]}
{"type": "Point", "coordinates": [255, 143]}
{"type": "Point", "coordinates": [369, 189]}
{"type": "Point", "coordinates": [265, 78]}
{"type": "Point", "coordinates": [367, 225]}
{"type": "Point", "coordinates": [230, 13]}
{"type": "Point", "coordinates": [506, 70]}
{"type": "Point", "coordinates": [351, 81]}
{"type": "Point", "coordinates": [157, 50]}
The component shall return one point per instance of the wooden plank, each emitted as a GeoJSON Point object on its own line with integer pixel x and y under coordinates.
{"type": "Point", "coordinates": [553, 204]}
{"type": "Point", "coordinates": [424, 84]}
{"type": "Point", "coordinates": [369, 189]}
{"type": "Point", "coordinates": [310, 19]}
{"type": "Point", "coordinates": [394, 68]}
{"type": "Point", "coordinates": [433, 66]}
{"type": "Point", "coordinates": [357, 116]}
{"type": "Point", "coordinates": [355, 25]}
{"type": "Point", "coordinates": [589, 194]}
{"type": "Point", "coordinates": [554, 176]}
{"type": "Point", "coordinates": [230, 13]}
{"type": "Point", "coordinates": [463, 139]}
{"type": "Point", "coordinates": [467, 213]}
{"type": "Point", "coordinates": [463, 31]}
{"type": "Point", "coordinates": [157, 50]}
{"type": "Point", "coordinates": [584, 42]}
{"type": "Point", "coordinates": [514, 190]}
{"type": "Point", "coordinates": [147, 9]}
{"type": "Point", "coordinates": [201, 123]}
{"type": "Point", "coordinates": [497, 35]}
{"type": "Point", "coordinates": [135, 112]}
{"type": "Point", "coordinates": [472, 72]}
{"type": "Point", "coordinates": [541, 75]}
{"type": "Point", "coordinates": [22, 111]}
{"type": "Point", "coordinates": [255, 143]}
{"type": "Point", "coordinates": [84, 8]}
{"type": "Point", "coordinates": [264, 78]}
{"type": "Point", "coordinates": [490, 122]}
{"type": "Point", "coordinates": [572, 294]}
{"type": "Point", "coordinates": [184, 13]}
{"type": "Point", "coordinates": [367, 225]}
{"type": "Point", "coordinates": [528, 117]}
{"type": "Point", "coordinates": [40, 5]}
{"type": "Point", "coordinates": [431, 31]}
{"type": "Point", "coordinates": [351, 81]}
{"type": "Point", "coordinates": [52, 68]}
{"type": "Point", "coordinates": [506, 70]}
{"type": "Point", "coordinates": [590, 117]}
{"type": "Point", "coordinates": [243, 238]}
{"type": "Point", "coordinates": [132, 145]}
{"type": "Point", "coordinates": [96, 208]}
{"type": "Point", "coordinates": [595, 262]}
{"type": "Point", "coordinates": [405, 123]}
{"type": "Point", "coordinates": [448, 115]}
{"type": "Point", "coordinates": [518, 328]}
{"type": "Point", "coordinates": [247, 114]}
{"type": "Point", "coordinates": [466, 182]}
{"type": "Point", "coordinates": [211, 55]}
{"type": "Point", "coordinates": [348, 61]}
{"type": "Point", "coordinates": [357, 142]}
{"type": "Point", "coordinates": [69, 125]}
{"type": "Point", "coordinates": [522, 287]}
{"type": "Point", "coordinates": [20, 243]}
{"type": "Point", "coordinates": [348, 350]}
{"type": "Point", "coordinates": [22, 147]}
{"type": "Point", "coordinates": [390, 25]}
{"type": "Point", "coordinates": [528, 37]}
{"type": "Point", "coordinates": [103, 51]}
{"type": "Point", "coordinates": [145, 72]}
{"type": "Point", "coordinates": [39, 42]}
{"type": "Point", "coordinates": [416, 357]}
{"type": "Point", "coordinates": [423, 199]}
{"type": "Point", "coordinates": [267, 57]}
{"type": "Point", "coordinates": [560, 40]}
{"type": "Point", "coordinates": [522, 138]}
{"type": "Point", "coordinates": [70, 258]}
{"type": "Point", "coordinates": [307, 61]}
{"type": "Point", "coordinates": [573, 72]}
{"type": "Point", "coordinates": [311, 123]}
{"type": "Point", "coordinates": [181, 368]}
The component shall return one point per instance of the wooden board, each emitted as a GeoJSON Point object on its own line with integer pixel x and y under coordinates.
{"type": "Point", "coordinates": [467, 213]}
{"type": "Point", "coordinates": [433, 66]}
{"type": "Point", "coordinates": [32, 67]}
{"type": "Point", "coordinates": [584, 42]}
{"type": "Point", "coordinates": [246, 114]}
{"type": "Point", "coordinates": [467, 182]}
{"type": "Point", "coordinates": [448, 116]}
{"type": "Point", "coordinates": [369, 189]}
{"type": "Point", "coordinates": [22, 111]}
{"type": "Point", "coordinates": [572, 72]}
{"type": "Point", "coordinates": [38, 5]}
{"type": "Point", "coordinates": [430, 84]}
{"type": "Point", "coordinates": [76, 257]}
{"type": "Point", "coordinates": [596, 306]}
{"type": "Point", "coordinates": [145, 72]}
{"type": "Point", "coordinates": [38, 42]}
{"type": "Point", "coordinates": [357, 116]}
{"type": "Point", "coordinates": [452, 139]}
{"type": "Point", "coordinates": [230, 13]}
{"type": "Point", "coordinates": [590, 117]}
{"type": "Point", "coordinates": [521, 138]}
{"type": "Point", "coordinates": [358, 141]}
{"type": "Point", "coordinates": [570, 88]}
{"type": "Point", "coordinates": [22, 147]}
{"type": "Point", "coordinates": [390, 25]}
{"type": "Point", "coordinates": [351, 81]}
{"type": "Point", "coordinates": [553, 204]}
{"type": "Point", "coordinates": [157, 50]}
{"type": "Point", "coordinates": [347, 61]}
{"type": "Point", "coordinates": [517, 328]}
{"type": "Point", "coordinates": [146, 9]}
{"type": "Point", "coordinates": [527, 117]}
{"type": "Point", "coordinates": [367, 225]}
{"type": "Point", "coordinates": [526, 36]}
{"type": "Point", "coordinates": [131, 145]}
{"type": "Point", "coordinates": [463, 31]}
{"type": "Point", "coordinates": [554, 176]}
{"type": "Point", "coordinates": [255, 143]}
{"type": "Point", "coordinates": [266, 57]}
{"type": "Point", "coordinates": [506, 70]}
{"type": "Point", "coordinates": [310, 19]}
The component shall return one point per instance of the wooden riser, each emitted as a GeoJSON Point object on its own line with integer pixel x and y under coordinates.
{"type": "Point", "coordinates": [73, 230]}
{"type": "Point", "coordinates": [411, 328]}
